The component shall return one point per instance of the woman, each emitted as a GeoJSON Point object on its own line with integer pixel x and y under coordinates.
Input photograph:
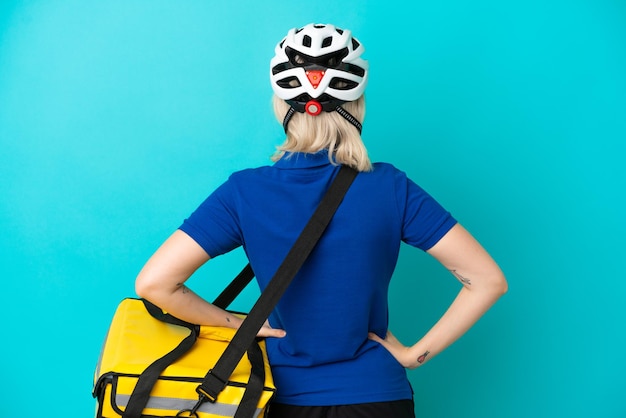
{"type": "Point", "coordinates": [328, 340]}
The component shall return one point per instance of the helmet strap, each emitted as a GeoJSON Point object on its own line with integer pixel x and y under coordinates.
{"type": "Point", "coordinates": [288, 117]}
{"type": "Point", "coordinates": [343, 112]}
{"type": "Point", "coordinates": [347, 116]}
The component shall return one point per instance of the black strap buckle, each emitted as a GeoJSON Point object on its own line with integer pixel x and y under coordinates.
{"type": "Point", "coordinates": [209, 394]}
{"type": "Point", "coordinates": [193, 412]}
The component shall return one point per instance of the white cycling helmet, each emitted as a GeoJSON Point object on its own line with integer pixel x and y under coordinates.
{"type": "Point", "coordinates": [318, 68]}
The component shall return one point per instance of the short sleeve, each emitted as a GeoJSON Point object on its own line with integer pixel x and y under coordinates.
{"type": "Point", "coordinates": [214, 224]}
{"type": "Point", "coordinates": [424, 220]}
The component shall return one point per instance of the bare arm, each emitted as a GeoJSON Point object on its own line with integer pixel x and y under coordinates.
{"type": "Point", "coordinates": [483, 283]}
{"type": "Point", "coordinates": [162, 282]}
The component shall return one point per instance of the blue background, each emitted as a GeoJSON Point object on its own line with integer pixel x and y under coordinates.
{"type": "Point", "coordinates": [117, 118]}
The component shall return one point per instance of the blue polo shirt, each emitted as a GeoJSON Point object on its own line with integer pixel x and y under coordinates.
{"type": "Point", "coordinates": [340, 294]}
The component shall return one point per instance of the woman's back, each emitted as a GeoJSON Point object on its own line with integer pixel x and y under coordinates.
{"type": "Point", "coordinates": [340, 294]}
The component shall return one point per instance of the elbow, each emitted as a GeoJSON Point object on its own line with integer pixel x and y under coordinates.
{"type": "Point", "coordinates": [155, 287]}
{"type": "Point", "coordinates": [505, 286]}
{"type": "Point", "coordinates": [146, 288]}
{"type": "Point", "coordinates": [500, 285]}
{"type": "Point", "coordinates": [141, 289]}
{"type": "Point", "coordinates": [494, 285]}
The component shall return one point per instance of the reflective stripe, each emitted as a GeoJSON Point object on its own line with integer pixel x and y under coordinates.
{"type": "Point", "coordinates": [175, 404]}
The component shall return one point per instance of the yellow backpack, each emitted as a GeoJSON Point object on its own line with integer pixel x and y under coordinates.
{"type": "Point", "coordinates": [137, 339]}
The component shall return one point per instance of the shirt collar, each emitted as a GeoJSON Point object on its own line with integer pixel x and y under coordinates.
{"type": "Point", "coordinates": [303, 160]}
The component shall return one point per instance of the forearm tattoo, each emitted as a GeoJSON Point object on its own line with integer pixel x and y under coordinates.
{"type": "Point", "coordinates": [462, 279]}
{"type": "Point", "coordinates": [421, 359]}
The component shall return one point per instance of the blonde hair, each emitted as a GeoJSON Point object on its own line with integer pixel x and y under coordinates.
{"type": "Point", "coordinates": [328, 130]}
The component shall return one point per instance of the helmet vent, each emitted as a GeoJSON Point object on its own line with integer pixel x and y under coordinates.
{"type": "Point", "coordinates": [343, 84]}
{"type": "Point", "coordinates": [355, 44]}
{"type": "Point", "coordinates": [306, 41]}
{"type": "Point", "coordinates": [279, 68]}
{"type": "Point", "coordinates": [327, 42]}
{"type": "Point", "coordinates": [339, 31]}
{"type": "Point", "coordinates": [319, 26]}
{"type": "Point", "coordinates": [289, 83]}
